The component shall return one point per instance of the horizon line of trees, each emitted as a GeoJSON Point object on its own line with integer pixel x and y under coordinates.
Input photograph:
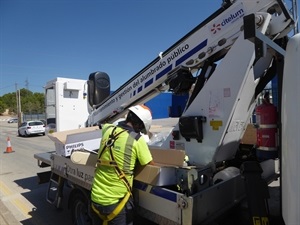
{"type": "Point", "coordinates": [31, 103]}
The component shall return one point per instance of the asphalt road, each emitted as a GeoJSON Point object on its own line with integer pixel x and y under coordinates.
{"type": "Point", "coordinates": [22, 199]}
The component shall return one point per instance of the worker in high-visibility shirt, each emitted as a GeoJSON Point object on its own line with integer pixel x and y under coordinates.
{"type": "Point", "coordinates": [121, 147]}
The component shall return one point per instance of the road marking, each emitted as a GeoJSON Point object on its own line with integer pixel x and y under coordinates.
{"type": "Point", "coordinates": [19, 204]}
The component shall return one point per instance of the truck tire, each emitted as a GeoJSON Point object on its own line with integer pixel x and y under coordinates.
{"type": "Point", "coordinates": [79, 209]}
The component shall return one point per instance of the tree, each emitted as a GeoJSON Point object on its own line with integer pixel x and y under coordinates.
{"type": "Point", "coordinates": [3, 106]}
{"type": "Point", "coordinates": [30, 102]}
{"type": "Point", "coordinates": [10, 102]}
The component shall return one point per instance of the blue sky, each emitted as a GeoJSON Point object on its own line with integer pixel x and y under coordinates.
{"type": "Point", "coordinates": [44, 39]}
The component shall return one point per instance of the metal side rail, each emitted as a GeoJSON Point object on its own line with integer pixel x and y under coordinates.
{"type": "Point", "coordinates": [43, 159]}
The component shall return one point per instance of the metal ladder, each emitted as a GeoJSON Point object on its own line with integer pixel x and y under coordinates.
{"type": "Point", "coordinates": [55, 190]}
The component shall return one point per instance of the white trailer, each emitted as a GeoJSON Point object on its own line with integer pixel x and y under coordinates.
{"type": "Point", "coordinates": [66, 103]}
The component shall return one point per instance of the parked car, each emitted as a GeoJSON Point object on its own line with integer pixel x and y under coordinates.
{"type": "Point", "coordinates": [30, 128]}
{"type": "Point", "coordinates": [13, 120]}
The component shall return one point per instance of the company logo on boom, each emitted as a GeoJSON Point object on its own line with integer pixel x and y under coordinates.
{"type": "Point", "coordinates": [228, 20]}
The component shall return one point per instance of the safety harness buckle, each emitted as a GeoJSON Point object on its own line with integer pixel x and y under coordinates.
{"type": "Point", "coordinates": [110, 142]}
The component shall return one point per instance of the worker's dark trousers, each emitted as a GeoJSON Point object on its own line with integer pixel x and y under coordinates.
{"type": "Point", "coordinates": [125, 217]}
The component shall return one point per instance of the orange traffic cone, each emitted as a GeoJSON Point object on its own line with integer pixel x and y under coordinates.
{"type": "Point", "coordinates": [8, 148]}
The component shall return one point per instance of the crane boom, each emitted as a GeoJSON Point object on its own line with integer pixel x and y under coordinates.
{"type": "Point", "coordinates": [209, 41]}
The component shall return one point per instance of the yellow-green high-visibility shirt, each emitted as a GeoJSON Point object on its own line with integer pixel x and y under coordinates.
{"type": "Point", "coordinates": [129, 147]}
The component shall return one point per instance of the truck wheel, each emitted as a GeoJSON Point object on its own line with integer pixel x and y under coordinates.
{"type": "Point", "coordinates": [79, 210]}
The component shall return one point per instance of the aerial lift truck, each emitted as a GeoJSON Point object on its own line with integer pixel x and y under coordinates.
{"type": "Point", "coordinates": [224, 63]}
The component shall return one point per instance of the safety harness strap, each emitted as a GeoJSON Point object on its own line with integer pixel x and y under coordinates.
{"type": "Point", "coordinates": [111, 140]}
{"type": "Point", "coordinates": [120, 173]}
{"type": "Point", "coordinates": [108, 145]}
{"type": "Point", "coordinates": [114, 213]}
{"type": "Point", "coordinates": [107, 163]}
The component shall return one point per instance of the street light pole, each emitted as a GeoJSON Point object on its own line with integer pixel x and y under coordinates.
{"type": "Point", "coordinates": [20, 119]}
{"type": "Point", "coordinates": [19, 110]}
{"type": "Point", "coordinates": [17, 99]}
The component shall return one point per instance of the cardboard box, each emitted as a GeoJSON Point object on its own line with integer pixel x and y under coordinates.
{"type": "Point", "coordinates": [83, 138]}
{"type": "Point", "coordinates": [249, 137]}
{"type": "Point", "coordinates": [164, 171]}
{"type": "Point", "coordinates": [157, 175]}
{"type": "Point", "coordinates": [161, 174]}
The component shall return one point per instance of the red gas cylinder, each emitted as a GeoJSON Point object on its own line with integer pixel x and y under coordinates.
{"type": "Point", "coordinates": [267, 138]}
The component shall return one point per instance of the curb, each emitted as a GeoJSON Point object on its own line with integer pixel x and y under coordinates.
{"type": "Point", "coordinates": [6, 218]}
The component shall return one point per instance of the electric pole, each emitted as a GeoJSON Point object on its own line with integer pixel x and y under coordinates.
{"type": "Point", "coordinates": [18, 100]}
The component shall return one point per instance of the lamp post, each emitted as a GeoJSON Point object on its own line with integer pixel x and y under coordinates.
{"type": "Point", "coordinates": [19, 110]}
